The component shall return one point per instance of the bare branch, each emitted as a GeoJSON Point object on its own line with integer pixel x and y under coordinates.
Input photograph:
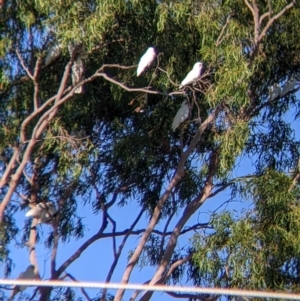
{"type": "Point", "coordinates": [296, 179]}
{"type": "Point", "coordinates": [27, 177]}
{"type": "Point", "coordinates": [164, 71]}
{"type": "Point", "coordinates": [188, 212]}
{"type": "Point", "coordinates": [118, 254]}
{"type": "Point", "coordinates": [146, 90]}
{"type": "Point", "coordinates": [294, 183]}
{"type": "Point", "coordinates": [11, 165]}
{"type": "Point", "coordinates": [220, 37]}
{"type": "Point", "coordinates": [137, 292]}
{"type": "Point", "coordinates": [256, 22]}
{"type": "Point", "coordinates": [55, 245]}
{"type": "Point", "coordinates": [164, 233]}
{"type": "Point", "coordinates": [263, 16]}
{"type": "Point", "coordinates": [82, 289]}
{"type": "Point", "coordinates": [36, 84]}
{"type": "Point", "coordinates": [85, 245]}
{"type": "Point", "coordinates": [113, 236]}
{"type": "Point", "coordinates": [23, 64]}
{"type": "Point", "coordinates": [273, 19]}
{"type": "Point", "coordinates": [177, 264]}
{"type": "Point", "coordinates": [31, 245]}
{"type": "Point", "coordinates": [249, 6]}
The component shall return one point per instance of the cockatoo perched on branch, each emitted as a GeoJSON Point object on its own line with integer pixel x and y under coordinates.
{"type": "Point", "coordinates": [53, 53]}
{"type": "Point", "coordinates": [274, 92]}
{"type": "Point", "coordinates": [146, 60]}
{"type": "Point", "coordinates": [289, 86]}
{"type": "Point", "coordinates": [28, 275]}
{"type": "Point", "coordinates": [181, 115]}
{"type": "Point", "coordinates": [44, 212]}
{"type": "Point", "coordinates": [193, 75]}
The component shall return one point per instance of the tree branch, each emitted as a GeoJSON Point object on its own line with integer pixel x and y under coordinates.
{"type": "Point", "coordinates": [82, 289]}
{"type": "Point", "coordinates": [36, 84]}
{"type": "Point", "coordinates": [55, 245]}
{"type": "Point", "coordinates": [85, 245]}
{"type": "Point", "coordinates": [220, 37]}
{"type": "Point", "coordinates": [23, 64]}
{"type": "Point", "coordinates": [31, 245]}
{"type": "Point", "coordinates": [295, 179]}
{"type": "Point", "coordinates": [11, 165]}
{"type": "Point", "coordinates": [164, 233]}
{"type": "Point", "coordinates": [188, 212]}
{"type": "Point", "coordinates": [118, 254]}
{"type": "Point", "coordinates": [277, 16]}
{"type": "Point", "coordinates": [250, 7]}
{"type": "Point", "coordinates": [175, 180]}
{"type": "Point", "coordinates": [177, 264]}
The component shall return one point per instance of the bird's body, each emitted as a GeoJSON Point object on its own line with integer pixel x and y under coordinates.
{"type": "Point", "coordinates": [53, 53]}
{"type": "Point", "coordinates": [193, 75]}
{"type": "Point", "coordinates": [77, 74]}
{"type": "Point", "coordinates": [28, 275]}
{"type": "Point", "coordinates": [289, 86]}
{"type": "Point", "coordinates": [44, 212]}
{"type": "Point", "coordinates": [274, 92]}
{"type": "Point", "coordinates": [146, 60]}
{"type": "Point", "coordinates": [181, 115]}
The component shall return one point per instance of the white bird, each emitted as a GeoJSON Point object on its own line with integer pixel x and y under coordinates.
{"type": "Point", "coordinates": [146, 60]}
{"type": "Point", "coordinates": [44, 212]}
{"type": "Point", "coordinates": [289, 86]}
{"type": "Point", "coordinates": [28, 275]}
{"type": "Point", "coordinates": [181, 115]}
{"type": "Point", "coordinates": [193, 75]}
{"type": "Point", "coordinates": [274, 92]}
{"type": "Point", "coordinates": [53, 53]}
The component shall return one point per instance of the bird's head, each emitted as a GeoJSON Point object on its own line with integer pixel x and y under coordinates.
{"type": "Point", "coordinates": [154, 49]}
{"type": "Point", "coordinates": [198, 66]}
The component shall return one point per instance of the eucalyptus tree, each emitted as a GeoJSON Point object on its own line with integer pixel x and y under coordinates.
{"type": "Point", "coordinates": [83, 128]}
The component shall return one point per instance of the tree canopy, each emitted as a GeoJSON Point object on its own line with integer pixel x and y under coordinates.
{"type": "Point", "coordinates": [113, 145]}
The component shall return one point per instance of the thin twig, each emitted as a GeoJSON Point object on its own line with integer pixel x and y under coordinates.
{"type": "Point", "coordinates": [220, 37]}
{"type": "Point", "coordinates": [82, 289]}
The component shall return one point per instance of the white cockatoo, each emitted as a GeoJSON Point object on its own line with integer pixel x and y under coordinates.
{"type": "Point", "coordinates": [146, 60]}
{"type": "Point", "coordinates": [274, 92]}
{"type": "Point", "coordinates": [44, 212]}
{"type": "Point", "coordinates": [181, 115]}
{"type": "Point", "coordinates": [28, 275]}
{"type": "Point", "coordinates": [53, 53]}
{"type": "Point", "coordinates": [193, 75]}
{"type": "Point", "coordinates": [289, 86]}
